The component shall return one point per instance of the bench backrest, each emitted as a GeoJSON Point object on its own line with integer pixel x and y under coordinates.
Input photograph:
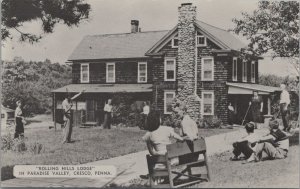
{"type": "Point", "coordinates": [187, 147]}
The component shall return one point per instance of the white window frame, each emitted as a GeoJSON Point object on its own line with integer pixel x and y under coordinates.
{"type": "Point", "coordinates": [213, 102]}
{"type": "Point", "coordinates": [244, 71]}
{"type": "Point", "coordinates": [202, 69]}
{"type": "Point", "coordinates": [253, 71]}
{"type": "Point", "coordinates": [205, 41]}
{"type": "Point", "coordinates": [165, 71]}
{"type": "Point", "coordinates": [173, 44]}
{"type": "Point", "coordinates": [114, 79]}
{"type": "Point", "coordinates": [146, 76]}
{"type": "Point", "coordinates": [234, 72]}
{"type": "Point", "coordinates": [165, 100]}
{"type": "Point", "coordinates": [88, 73]}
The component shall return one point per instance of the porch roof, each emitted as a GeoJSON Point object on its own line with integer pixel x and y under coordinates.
{"type": "Point", "coordinates": [248, 88]}
{"type": "Point", "coordinates": [105, 88]}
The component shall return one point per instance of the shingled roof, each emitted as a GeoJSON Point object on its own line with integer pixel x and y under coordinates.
{"type": "Point", "coordinates": [136, 45]}
{"type": "Point", "coordinates": [223, 36]}
{"type": "Point", "coordinates": [114, 46]}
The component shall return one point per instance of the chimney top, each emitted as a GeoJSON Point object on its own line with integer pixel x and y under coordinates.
{"type": "Point", "coordinates": [186, 4]}
{"type": "Point", "coordinates": [134, 26]}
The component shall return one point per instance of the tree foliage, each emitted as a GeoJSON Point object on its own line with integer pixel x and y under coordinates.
{"type": "Point", "coordinates": [32, 83]}
{"type": "Point", "coordinates": [272, 28]}
{"type": "Point", "coordinates": [275, 81]}
{"type": "Point", "coordinates": [50, 12]}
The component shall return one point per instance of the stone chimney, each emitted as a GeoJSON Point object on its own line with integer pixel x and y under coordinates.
{"type": "Point", "coordinates": [187, 59]}
{"type": "Point", "coordinates": [134, 26]}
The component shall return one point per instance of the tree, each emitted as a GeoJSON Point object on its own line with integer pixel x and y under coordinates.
{"type": "Point", "coordinates": [50, 12]}
{"type": "Point", "coordinates": [272, 28]}
{"type": "Point", "coordinates": [32, 82]}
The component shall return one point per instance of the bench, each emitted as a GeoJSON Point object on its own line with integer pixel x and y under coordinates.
{"type": "Point", "coordinates": [89, 124]}
{"type": "Point", "coordinates": [187, 153]}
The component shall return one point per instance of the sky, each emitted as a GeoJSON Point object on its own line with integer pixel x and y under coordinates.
{"type": "Point", "coordinates": [114, 16]}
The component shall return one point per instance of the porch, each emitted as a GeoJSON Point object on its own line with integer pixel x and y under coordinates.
{"type": "Point", "coordinates": [88, 108]}
{"type": "Point", "coordinates": [240, 94]}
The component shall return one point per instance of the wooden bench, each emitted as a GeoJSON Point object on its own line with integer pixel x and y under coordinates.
{"type": "Point", "coordinates": [89, 124]}
{"type": "Point", "coordinates": [187, 153]}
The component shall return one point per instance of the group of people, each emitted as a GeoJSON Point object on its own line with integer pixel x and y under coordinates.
{"type": "Point", "coordinates": [256, 108]}
{"type": "Point", "coordinates": [253, 148]}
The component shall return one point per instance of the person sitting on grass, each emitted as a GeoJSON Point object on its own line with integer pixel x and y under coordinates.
{"type": "Point", "coordinates": [275, 145]}
{"type": "Point", "coordinates": [245, 145]}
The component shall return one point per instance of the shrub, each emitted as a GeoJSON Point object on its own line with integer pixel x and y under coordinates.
{"type": "Point", "coordinates": [13, 144]}
{"type": "Point", "coordinates": [210, 122]}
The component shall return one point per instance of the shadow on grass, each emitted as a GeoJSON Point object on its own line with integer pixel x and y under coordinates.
{"type": "Point", "coordinates": [7, 172]}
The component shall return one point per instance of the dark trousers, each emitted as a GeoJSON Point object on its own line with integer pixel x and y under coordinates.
{"type": "Point", "coordinates": [19, 128]}
{"type": "Point", "coordinates": [284, 116]}
{"type": "Point", "coordinates": [107, 120]}
{"type": "Point", "coordinates": [242, 148]}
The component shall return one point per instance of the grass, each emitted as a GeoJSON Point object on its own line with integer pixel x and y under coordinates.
{"type": "Point", "coordinates": [91, 144]}
{"type": "Point", "coordinates": [282, 173]}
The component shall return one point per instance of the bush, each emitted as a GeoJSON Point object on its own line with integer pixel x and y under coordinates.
{"type": "Point", "coordinates": [13, 144]}
{"type": "Point", "coordinates": [126, 112]}
{"type": "Point", "coordinates": [210, 122]}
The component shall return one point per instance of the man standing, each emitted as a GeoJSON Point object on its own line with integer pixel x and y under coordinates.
{"type": "Point", "coordinates": [67, 106]}
{"type": "Point", "coordinates": [284, 103]}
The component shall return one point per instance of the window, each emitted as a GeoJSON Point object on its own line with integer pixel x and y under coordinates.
{"type": "Point", "coordinates": [174, 42]}
{"type": "Point", "coordinates": [110, 73]}
{"type": "Point", "coordinates": [170, 69]}
{"type": "Point", "coordinates": [208, 103]}
{"type": "Point", "coordinates": [168, 99]}
{"type": "Point", "coordinates": [253, 72]}
{"type": "Point", "coordinates": [234, 69]}
{"type": "Point", "coordinates": [207, 69]}
{"type": "Point", "coordinates": [244, 74]}
{"type": "Point", "coordinates": [84, 73]}
{"type": "Point", "coordinates": [142, 72]}
{"type": "Point", "coordinates": [201, 41]}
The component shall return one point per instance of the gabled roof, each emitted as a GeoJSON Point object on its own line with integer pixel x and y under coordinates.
{"type": "Point", "coordinates": [224, 39]}
{"type": "Point", "coordinates": [223, 36]}
{"type": "Point", "coordinates": [141, 44]}
{"type": "Point", "coordinates": [115, 46]}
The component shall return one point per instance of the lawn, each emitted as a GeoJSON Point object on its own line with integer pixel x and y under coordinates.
{"type": "Point", "coordinates": [91, 144]}
{"type": "Point", "coordinates": [282, 173]}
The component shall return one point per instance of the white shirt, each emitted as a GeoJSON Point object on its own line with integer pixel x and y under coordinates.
{"type": "Point", "coordinates": [107, 108]}
{"type": "Point", "coordinates": [66, 107]}
{"type": "Point", "coordinates": [231, 108]}
{"type": "Point", "coordinates": [251, 138]}
{"type": "Point", "coordinates": [18, 112]}
{"type": "Point", "coordinates": [160, 138]}
{"type": "Point", "coordinates": [146, 110]}
{"type": "Point", "coordinates": [285, 97]}
{"type": "Point", "coordinates": [189, 127]}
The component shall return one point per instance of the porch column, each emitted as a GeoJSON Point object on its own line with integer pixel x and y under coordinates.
{"type": "Point", "coordinates": [54, 111]}
{"type": "Point", "coordinates": [269, 106]}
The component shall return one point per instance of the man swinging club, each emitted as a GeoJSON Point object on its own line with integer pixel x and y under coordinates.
{"type": "Point", "coordinates": [67, 106]}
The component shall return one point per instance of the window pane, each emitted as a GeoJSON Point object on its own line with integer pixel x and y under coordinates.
{"type": "Point", "coordinates": [142, 78]}
{"type": "Point", "coordinates": [207, 108]}
{"type": "Point", "coordinates": [170, 65]}
{"type": "Point", "coordinates": [175, 42]}
{"type": "Point", "coordinates": [201, 40]}
{"type": "Point", "coordinates": [110, 67]}
{"type": "Point", "coordinates": [84, 68]}
{"type": "Point", "coordinates": [207, 74]}
{"type": "Point", "coordinates": [170, 74]}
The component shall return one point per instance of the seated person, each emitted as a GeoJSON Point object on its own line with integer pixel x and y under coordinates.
{"type": "Point", "coordinates": [158, 136]}
{"type": "Point", "coordinates": [189, 128]}
{"type": "Point", "coordinates": [245, 145]}
{"type": "Point", "coordinates": [275, 144]}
